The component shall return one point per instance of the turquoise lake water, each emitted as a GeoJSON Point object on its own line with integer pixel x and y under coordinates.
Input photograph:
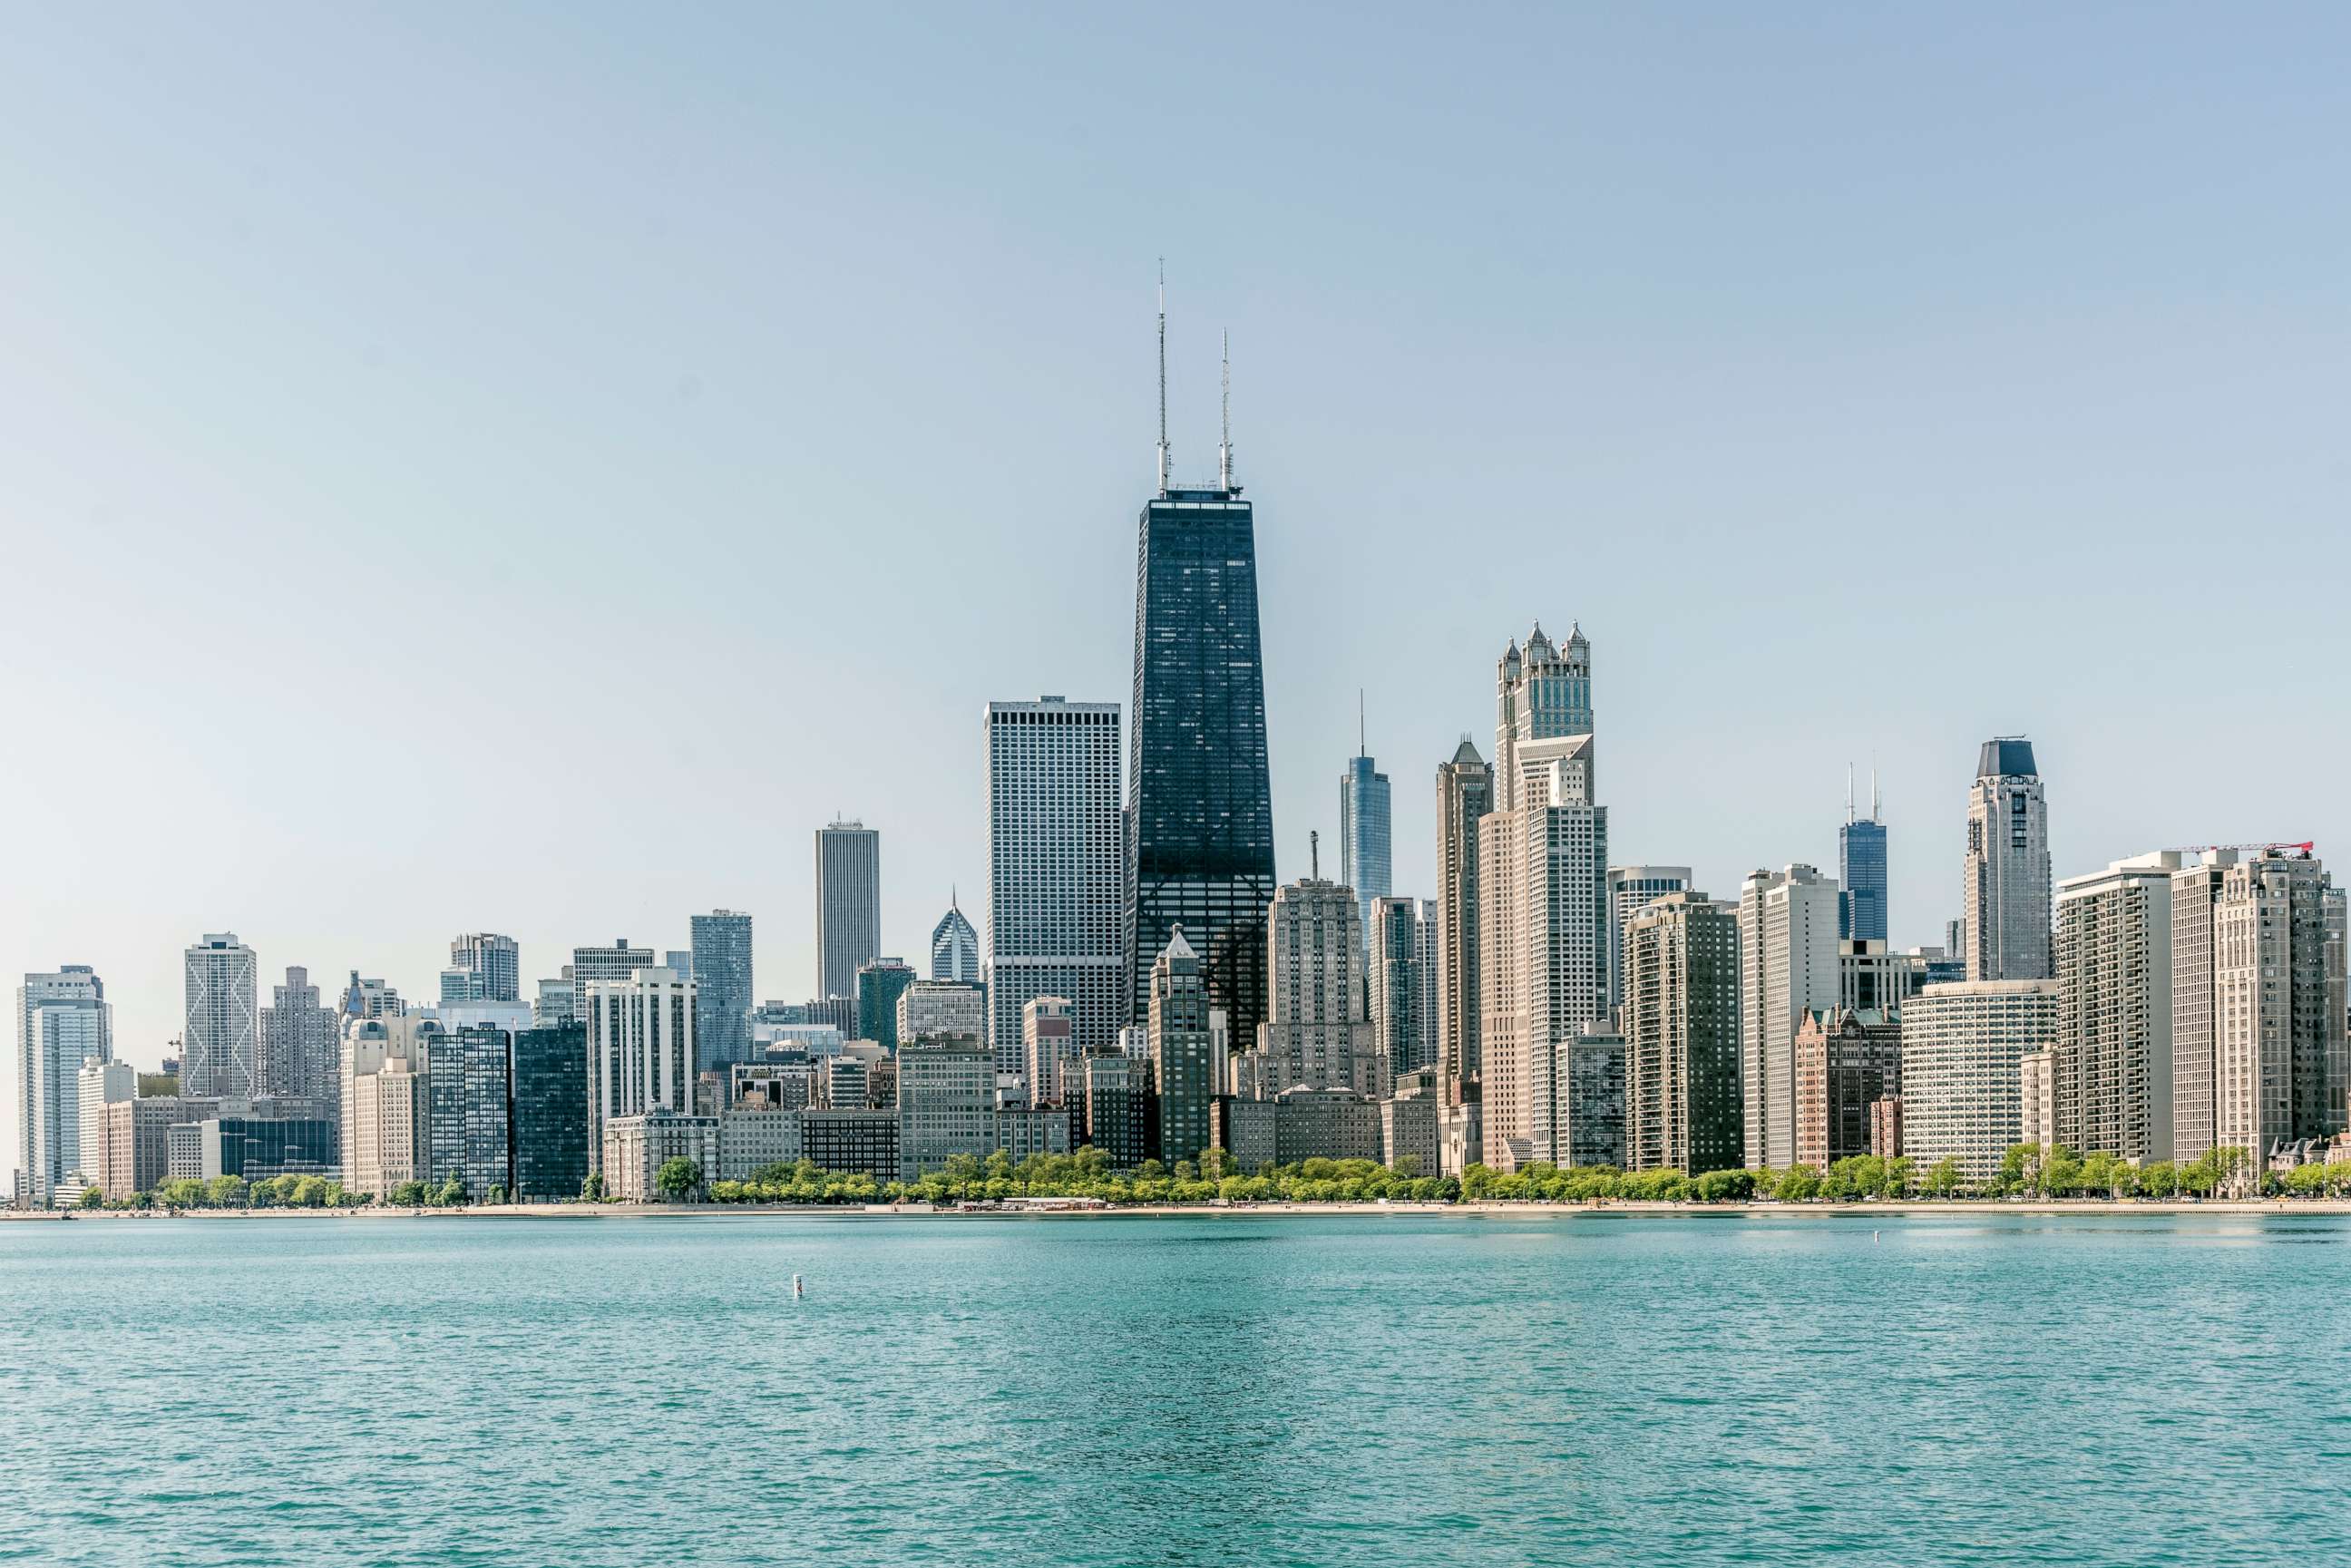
{"type": "Point", "coordinates": [1376, 1392]}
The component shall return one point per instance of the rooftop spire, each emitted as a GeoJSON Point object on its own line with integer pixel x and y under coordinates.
{"type": "Point", "coordinates": [1225, 448]}
{"type": "Point", "coordinates": [1163, 466]}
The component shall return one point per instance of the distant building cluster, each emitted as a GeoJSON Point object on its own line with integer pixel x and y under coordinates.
{"type": "Point", "coordinates": [1141, 984]}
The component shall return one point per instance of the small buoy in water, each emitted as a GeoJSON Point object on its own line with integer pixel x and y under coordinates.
{"type": "Point", "coordinates": [1873, 1235]}
{"type": "Point", "coordinates": [799, 1289]}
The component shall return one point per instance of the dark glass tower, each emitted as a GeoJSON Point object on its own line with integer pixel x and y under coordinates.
{"type": "Point", "coordinates": [549, 1125]}
{"type": "Point", "coordinates": [1861, 869]}
{"type": "Point", "coordinates": [1200, 828]}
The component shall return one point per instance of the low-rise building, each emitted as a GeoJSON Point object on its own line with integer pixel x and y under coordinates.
{"type": "Point", "coordinates": [754, 1135]}
{"type": "Point", "coordinates": [783, 1085]}
{"type": "Point", "coordinates": [1038, 1130]}
{"type": "Point", "coordinates": [636, 1147]}
{"type": "Point", "coordinates": [852, 1141]}
{"type": "Point", "coordinates": [261, 1148]}
{"type": "Point", "coordinates": [1410, 1120]}
{"type": "Point", "coordinates": [1301, 1124]}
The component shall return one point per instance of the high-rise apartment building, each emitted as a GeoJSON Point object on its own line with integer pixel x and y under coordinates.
{"type": "Point", "coordinates": [1543, 944]}
{"type": "Point", "coordinates": [954, 947]}
{"type": "Point", "coordinates": [1962, 1082]}
{"type": "Point", "coordinates": [2036, 1100]}
{"type": "Point", "coordinates": [300, 1043]}
{"type": "Point", "coordinates": [221, 1037]}
{"type": "Point", "coordinates": [387, 1119]}
{"type": "Point", "coordinates": [590, 965]}
{"type": "Point", "coordinates": [1054, 870]}
{"type": "Point", "coordinates": [640, 1052]}
{"type": "Point", "coordinates": [1180, 1050]}
{"type": "Point", "coordinates": [722, 987]}
{"type": "Point", "coordinates": [370, 999]}
{"type": "Point", "coordinates": [1846, 1061]}
{"type": "Point", "coordinates": [2006, 890]}
{"type": "Point", "coordinates": [2259, 1055]}
{"type": "Point", "coordinates": [1199, 827]}
{"type": "Point", "coordinates": [549, 1121]}
{"type": "Point", "coordinates": [945, 1101]}
{"type": "Point", "coordinates": [1630, 887]}
{"type": "Point", "coordinates": [848, 905]}
{"type": "Point", "coordinates": [2110, 1066]}
{"type": "Point", "coordinates": [1788, 966]}
{"type": "Point", "coordinates": [1542, 887]}
{"type": "Point", "coordinates": [483, 967]}
{"type": "Point", "coordinates": [470, 1133]}
{"type": "Point", "coordinates": [1366, 862]}
{"type": "Point", "coordinates": [1402, 975]}
{"type": "Point", "coordinates": [1464, 793]}
{"type": "Point", "coordinates": [1317, 1034]}
{"type": "Point", "coordinates": [63, 1020]}
{"type": "Point", "coordinates": [1682, 1104]}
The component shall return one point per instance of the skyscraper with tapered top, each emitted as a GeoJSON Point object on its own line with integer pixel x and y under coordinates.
{"type": "Point", "coordinates": [2006, 886]}
{"type": "Point", "coordinates": [1200, 828]}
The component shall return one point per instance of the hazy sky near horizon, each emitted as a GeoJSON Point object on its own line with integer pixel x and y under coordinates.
{"type": "Point", "coordinates": [525, 467]}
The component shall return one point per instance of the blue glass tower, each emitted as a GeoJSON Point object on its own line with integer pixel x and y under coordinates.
{"type": "Point", "coordinates": [1861, 873]}
{"type": "Point", "coordinates": [1199, 824]}
{"type": "Point", "coordinates": [1366, 862]}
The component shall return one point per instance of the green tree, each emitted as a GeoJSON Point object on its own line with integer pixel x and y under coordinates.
{"type": "Point", "coordinates": [678, 1179]}
{"type": "Point", "coordinates": [1900, 1175]}
{"type": "Point", "coordinates": [93, 1197]}
{"type": "Point", "coordinates": [310, 1192]}
{"type": "Point", "coordinates": [226, 1192]}
{"type": "Point", "coordinates": [592, 1189]}
{"type": "Point", "coordinates": [1945, 1179]}
{"type": "Point", "coordinates": [410, 1195]}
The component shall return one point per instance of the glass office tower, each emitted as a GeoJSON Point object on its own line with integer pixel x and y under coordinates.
{"type": "Point", "coordinates": [1199, 830]}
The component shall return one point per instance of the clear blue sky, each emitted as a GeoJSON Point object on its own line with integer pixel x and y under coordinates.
{"type": "Point", "coordinates": [523, 468]}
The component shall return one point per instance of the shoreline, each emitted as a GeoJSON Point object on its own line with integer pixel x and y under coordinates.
{"type": "Point", "coordinates": [2088, 1208]}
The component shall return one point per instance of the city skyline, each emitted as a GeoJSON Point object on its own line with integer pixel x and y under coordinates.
{"type": "Point", "coordinates": [1675, 422]}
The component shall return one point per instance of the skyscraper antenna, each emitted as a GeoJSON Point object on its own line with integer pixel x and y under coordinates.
{"type": "Point", "coordinates": [1315, 854]}
{"type": "Point", "coordinates": [1225, 448]}
{"type": "Point", "coordinates": [1363, 746]}
{"type": "Point", "coordinates": [1877, 800]}
{"type": "Point", "coordinates": [1163, 375]}
{"type": "Point", "coordinates": [1848, 792]}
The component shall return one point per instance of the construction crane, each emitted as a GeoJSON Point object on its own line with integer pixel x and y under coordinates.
{"type": "Point", "coordinates": [2302, 849]}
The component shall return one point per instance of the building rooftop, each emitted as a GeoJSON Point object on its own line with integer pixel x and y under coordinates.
{"type": "Point", "coordinates": [2007, 757]}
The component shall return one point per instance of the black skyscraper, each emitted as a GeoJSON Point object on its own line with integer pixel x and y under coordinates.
{"type": "Point", "coordinates": [1200, 828]}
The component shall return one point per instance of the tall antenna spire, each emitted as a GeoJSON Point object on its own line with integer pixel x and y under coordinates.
{"type": "Point", "coordinates": [1848, 792]}
{"type": "Point", "coordinates": [1225, 448]}
{"type": "Point", "coordinates": [1877, 800]}
{"type": "Point", "coordinates": [1362, 744]}
{"type": "Point", "coordinates": [1163, 376]}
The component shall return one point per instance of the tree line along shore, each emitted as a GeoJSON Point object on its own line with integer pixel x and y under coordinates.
{"type": "Point", "coordinates": [2029, 1171]}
